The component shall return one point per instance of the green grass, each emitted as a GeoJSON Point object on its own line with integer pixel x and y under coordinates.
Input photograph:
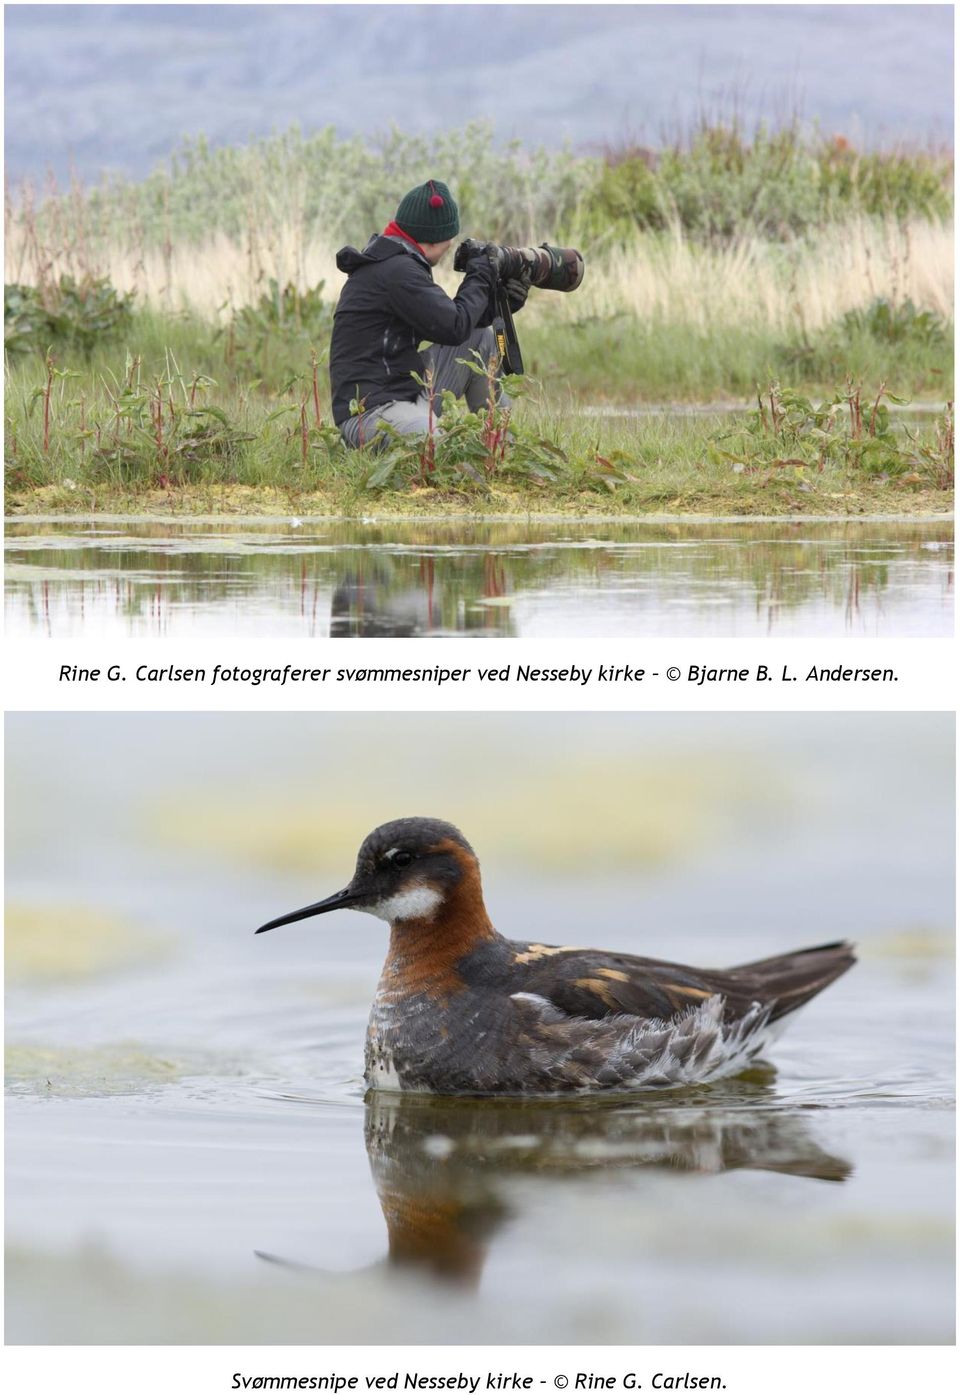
{"type": "Point", "coordinates": [162, 429]}
{"type": "Point", "coordinates": [625, 360]}
{"type": "Point", "coordinates": [621, 358]}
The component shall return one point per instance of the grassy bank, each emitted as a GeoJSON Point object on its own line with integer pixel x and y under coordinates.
{"type": "Point", "coordinates": [700, 500]}
{"type": "Point", "coordinates": [160, 447]}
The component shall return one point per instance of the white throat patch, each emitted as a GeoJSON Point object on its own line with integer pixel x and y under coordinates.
{"type": "Point", "coordinates": [416, 903]}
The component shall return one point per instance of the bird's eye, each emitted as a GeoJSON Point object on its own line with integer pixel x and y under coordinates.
{"type": "Point", "coordinates": [402, 859]}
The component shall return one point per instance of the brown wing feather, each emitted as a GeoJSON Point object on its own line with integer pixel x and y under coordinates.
{"type": "Point", "coordinates": [595, 984]}
{"type": "Point", "coordinates": [790, 980]}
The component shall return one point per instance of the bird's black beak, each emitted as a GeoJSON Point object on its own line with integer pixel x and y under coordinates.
{"type": "Point", "coordinates": [348, 897]}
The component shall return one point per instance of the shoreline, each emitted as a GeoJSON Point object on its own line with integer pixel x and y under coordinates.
{"type": "Point", "coordinates": [473, 518]}
{"type": "Point", "coordinates": [708, 500]}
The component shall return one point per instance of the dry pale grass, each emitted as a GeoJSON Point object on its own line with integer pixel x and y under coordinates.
{"type": "Point", "coordinates": [768, 286]}
{"type": "Point", "coordinates": [221, 275]}
{"type": "Point", "coordinates": [751, 283]}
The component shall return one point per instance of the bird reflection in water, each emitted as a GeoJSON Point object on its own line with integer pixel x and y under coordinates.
{"type": "Point", "coordinates": [442, 1166]}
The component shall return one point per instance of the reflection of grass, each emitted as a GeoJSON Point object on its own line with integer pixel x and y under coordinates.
{"type": "Point", "coordinates": [454, 568]}
{"type": "Point", "coordinates": [123, 1069]}
{"type": "Point", "coordinates": [69, 942]}
{"type": "Point", "coordinates": [587, 817]}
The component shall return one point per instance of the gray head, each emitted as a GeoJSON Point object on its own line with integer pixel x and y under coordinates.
{"type": "Point", "coordinates": [405, 870]}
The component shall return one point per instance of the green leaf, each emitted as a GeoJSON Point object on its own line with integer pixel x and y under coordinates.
{"type": "Point", "coordinates": [279, 412]}
{"type": "Point", "coordinates": [382, 474]}
{"type": "Point", "coordinates": [552, 449]}
{"type": "Point", "coordinates": [475, 363]}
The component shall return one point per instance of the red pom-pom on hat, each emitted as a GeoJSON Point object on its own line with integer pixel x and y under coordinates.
{"type": "Point", "coordinates": [436, 201]}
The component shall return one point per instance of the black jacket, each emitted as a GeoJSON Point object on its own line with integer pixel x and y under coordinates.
{"type": "Point", "coordinates": [389, 305]}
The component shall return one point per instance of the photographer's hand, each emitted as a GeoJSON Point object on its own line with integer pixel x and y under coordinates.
{"type": "Point", "coordinates": [518, 288]}
{"type": "Point", "coordinates": [471, 254]}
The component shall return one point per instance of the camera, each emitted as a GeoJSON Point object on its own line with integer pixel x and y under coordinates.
{"type": "Point", "coordinates": [550, 268]}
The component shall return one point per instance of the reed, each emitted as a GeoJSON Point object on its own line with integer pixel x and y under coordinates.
{"type": "Point", "coordinates": [668, 276]}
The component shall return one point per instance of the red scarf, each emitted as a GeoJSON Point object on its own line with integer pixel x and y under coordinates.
{"type": "Point", "coordinates": [395, 230]}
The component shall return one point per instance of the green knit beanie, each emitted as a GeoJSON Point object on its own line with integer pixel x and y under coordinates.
{"type": "Point", "coordinates": [429, 213]}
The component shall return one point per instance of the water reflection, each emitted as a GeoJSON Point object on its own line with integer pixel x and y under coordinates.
{"type": "Point", "coordinates": [499, 579]}
{"type": "Point", "coordinates": [443, 1167]}
{"type": "Point", "coordinates": [374, 600]}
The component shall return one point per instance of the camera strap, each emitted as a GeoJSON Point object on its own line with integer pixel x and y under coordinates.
{"type": "Point", "coordinates": [508, 345]}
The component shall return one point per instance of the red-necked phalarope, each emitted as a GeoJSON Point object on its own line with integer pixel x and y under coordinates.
{"type": "Point", "coordinates": [461, 1010]}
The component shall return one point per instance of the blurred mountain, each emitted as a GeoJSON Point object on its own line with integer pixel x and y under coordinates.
{"type": "Point", "coordinates": [116, 86]}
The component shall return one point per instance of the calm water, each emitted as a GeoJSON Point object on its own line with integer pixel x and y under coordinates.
{"type": "Point", "coordinates": [114, 578]}
{"type": "Point", "coordinates": [189, 1154]}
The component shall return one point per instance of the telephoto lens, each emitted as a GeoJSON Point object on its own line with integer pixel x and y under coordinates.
{"type": "Point", "coordinates": [550, 268]}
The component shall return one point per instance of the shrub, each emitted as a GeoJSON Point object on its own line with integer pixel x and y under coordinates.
{"type": "Point", "coordinates": [790, 433]}
{"type": "Point", "coordinates": [67, 312]}
{"type": "Point", "coordinates": [897, 324]}
{"type": "Point", "coordinates": [273, 338]}
{"type": "Point", "coordinates": [778, 184]}
{"type": "Point", "coordinates": [338, 187]}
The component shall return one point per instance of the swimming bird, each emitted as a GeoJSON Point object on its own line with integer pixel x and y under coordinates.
{"type": "Point", "coordinates": [461, 1010]}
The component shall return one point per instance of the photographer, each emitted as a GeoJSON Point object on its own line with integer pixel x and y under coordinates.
{"type": "Point", "coordinates": [390, 304]}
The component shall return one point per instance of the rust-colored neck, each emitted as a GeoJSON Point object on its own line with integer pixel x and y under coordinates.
{"type": "Point", "coordinates": [424, 953]}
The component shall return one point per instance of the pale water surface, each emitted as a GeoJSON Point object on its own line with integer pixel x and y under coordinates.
{"type": "Point", "coordinates": [309, 578]}
{"type": "Point", "coordinates": [189, 1154]}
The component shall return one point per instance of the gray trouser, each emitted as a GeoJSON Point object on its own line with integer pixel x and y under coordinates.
{"type": "Point", "coordinates": [413, 418]}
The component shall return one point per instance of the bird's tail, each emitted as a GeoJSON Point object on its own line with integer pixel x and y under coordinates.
{"type": "Point", "coordinates": [790, 980]}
